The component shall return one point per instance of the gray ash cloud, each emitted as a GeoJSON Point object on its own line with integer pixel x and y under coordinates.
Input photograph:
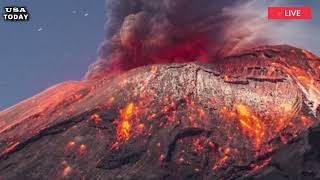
{"type": "Point", "coordinates": [142, 32]}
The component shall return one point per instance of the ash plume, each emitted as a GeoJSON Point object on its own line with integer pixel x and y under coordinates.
{"type": "Point", "coordinates": [142, 32]}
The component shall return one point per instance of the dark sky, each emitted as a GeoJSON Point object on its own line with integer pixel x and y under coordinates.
{"type": "Point", "coordinates": [61, 39]}
{"type": "Point", "coordinates": [57, 44]}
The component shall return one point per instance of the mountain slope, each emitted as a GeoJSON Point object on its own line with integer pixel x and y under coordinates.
{"type": "Point", "coordinates": [243, 116]}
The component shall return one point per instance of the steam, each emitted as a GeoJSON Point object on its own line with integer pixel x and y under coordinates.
{"type": "Point", "coordinates": [142, 32]}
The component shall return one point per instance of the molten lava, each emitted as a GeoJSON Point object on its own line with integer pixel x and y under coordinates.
{"type": "Point", "coordinates": [125, 126]}
{"type": "Point", "coordinates": [222, 120]}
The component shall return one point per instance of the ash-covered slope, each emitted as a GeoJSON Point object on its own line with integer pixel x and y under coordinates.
{"type": "Point", "coordinates": [244, 116]}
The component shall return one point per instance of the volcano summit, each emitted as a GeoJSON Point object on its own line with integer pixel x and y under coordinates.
{"type": "Point", "coordinates": [251, 115]}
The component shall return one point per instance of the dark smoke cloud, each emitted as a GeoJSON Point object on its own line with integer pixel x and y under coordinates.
{"type": "Point", "coordinates": [141, 32]}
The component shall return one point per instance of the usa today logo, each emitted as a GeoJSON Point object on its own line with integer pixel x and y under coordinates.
{"type": "Point", "coordinates": [15, 13]}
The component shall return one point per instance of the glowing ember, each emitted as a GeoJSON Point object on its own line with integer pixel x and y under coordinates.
{"type": "Point", "coordinates": [256, 167]}
{"type": "Point", "coordinates": [223, 160]}
{"type": "Point", "coordinates": [162, 157]}
{"type": "Point", "coordinates": [70, 144]}
{"type": "Point", "coordinates": [96, 118]}
{"type": "Point", "coordinates": [226, 78]}
{"type": "Point", "coordinates": [66, 171]}
{"type": "Point", "coordinates": [82, 149]}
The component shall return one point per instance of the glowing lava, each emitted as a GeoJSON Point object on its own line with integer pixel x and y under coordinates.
{"type": "Point", "coordinates": [251, 124]}
{"type": "Point", "coordinates": [124, 126]}
{"type": "Point", "coordinates": [228, 115]}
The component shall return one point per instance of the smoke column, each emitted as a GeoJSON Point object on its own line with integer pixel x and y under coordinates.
{"type": "Point", "coordinates": [142, 32]}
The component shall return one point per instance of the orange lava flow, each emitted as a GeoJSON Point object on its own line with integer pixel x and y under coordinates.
{"type": "Point", "coordinates": [306, 80]}
{"type": "Point", "coordinates": [124, 126]}
{"type": "Point", "coordinates": [225, 157]}
{"type": "Point", "coordinates": [252, 125]}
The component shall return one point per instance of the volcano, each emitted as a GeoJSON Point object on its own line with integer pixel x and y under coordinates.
{"type": "Point", "coordinates": [250, 115]}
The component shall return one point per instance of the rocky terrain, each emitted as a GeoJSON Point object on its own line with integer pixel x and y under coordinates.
{"type": "Point", "coordinates": [252, 115]}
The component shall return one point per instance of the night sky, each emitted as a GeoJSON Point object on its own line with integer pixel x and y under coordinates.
{"type": "Point", "coordinates": [62, 37]}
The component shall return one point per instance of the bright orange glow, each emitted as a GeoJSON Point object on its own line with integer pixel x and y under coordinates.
{"type": "Point", "coordinates": [226, 78]}
{"type": "Point", "coordinates": [251, 124]}
{"type": "Point", "coordinates": [307, 81]}
{"type": "Point", "coordinates": [124, 126]}
{"type": "Point", "coordinates": [125, 129]}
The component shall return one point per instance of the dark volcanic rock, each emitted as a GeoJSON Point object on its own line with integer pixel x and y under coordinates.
{"type": "Point", "coordinates": [253, 115]}
{"type": "Point", "coordinates": [300, 159]}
